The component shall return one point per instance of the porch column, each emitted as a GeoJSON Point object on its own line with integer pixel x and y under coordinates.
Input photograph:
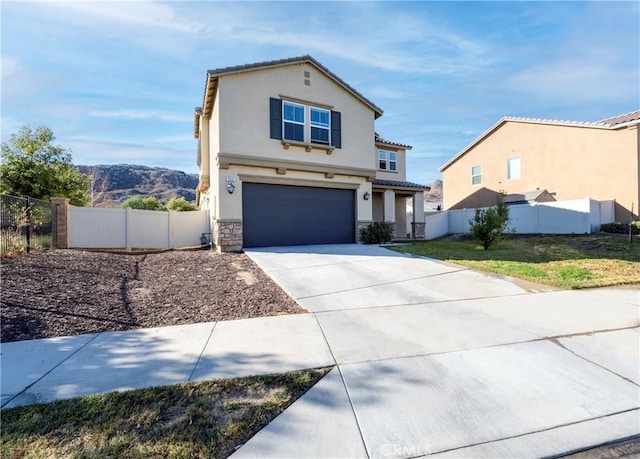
{"type": "Point", "coordinates": [418, 216]}
{"type": "Point", "coordinates": [390, 209]}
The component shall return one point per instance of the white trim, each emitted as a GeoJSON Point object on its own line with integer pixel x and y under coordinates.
{"type": "Point", "coordinates": [509, 168]}
{"type": "Point", "coordinates": [476, 175]}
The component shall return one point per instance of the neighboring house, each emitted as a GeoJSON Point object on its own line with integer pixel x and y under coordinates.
{"type": "Point", "coordinates": [529, 197]}
{"type": "Point", "coordinates": [288, 155]}
{"type": "Point", "coordinates": [569, 159]}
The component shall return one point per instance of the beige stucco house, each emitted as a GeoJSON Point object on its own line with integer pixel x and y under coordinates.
{"type": "Point", "coordinates": [569, 159]}
{"type": "Point", "coordinates": [288, 155]}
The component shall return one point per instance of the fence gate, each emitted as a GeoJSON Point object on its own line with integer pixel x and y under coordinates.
{"type": "Point", "coordinates": [25, 223]}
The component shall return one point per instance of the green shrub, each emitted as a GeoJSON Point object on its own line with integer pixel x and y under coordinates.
{"type": "Point", "coordinates": [180, 205]}
{"type": "Point", "coordinates": [149, 203]}
{"type": "Point", "coordinates": [376, 233]}
{"type": "Point", "coordinates": [620, 228]}
{"type": "Point", "coordinates": [488, 225]}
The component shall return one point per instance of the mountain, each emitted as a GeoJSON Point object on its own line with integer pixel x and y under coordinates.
{"type": "Point", "coordinates": [113, 184]}
{"type": "Point", "coordinates": [435, 194]}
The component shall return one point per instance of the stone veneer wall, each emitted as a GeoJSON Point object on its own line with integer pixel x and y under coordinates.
{"type": "Point", "coordinates": [227, 235]}
{"type": "Point", "coordinates": [393, 228]}
{"type": "Point", "coordinates": [418, 230]}
{"type": "Point", "coordinates": [59, 230]}
{"type": "Point", "coordinates": [360, 225]}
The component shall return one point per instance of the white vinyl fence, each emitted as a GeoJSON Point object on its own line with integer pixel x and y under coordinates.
{"type": "Point", "coordinates": [90, 227]}
{"type": "Point", "coordinates": [578, 216]}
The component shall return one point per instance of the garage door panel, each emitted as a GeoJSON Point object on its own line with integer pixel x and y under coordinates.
{"type": "Point", "coordinates": [294, 215]}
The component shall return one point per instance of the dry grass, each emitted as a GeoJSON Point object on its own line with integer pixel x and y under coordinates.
{"type": "Point", "coordinates": [201, 420]}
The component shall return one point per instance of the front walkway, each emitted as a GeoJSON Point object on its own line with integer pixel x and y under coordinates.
{"type": "Point", "coordinates": [431, 359]}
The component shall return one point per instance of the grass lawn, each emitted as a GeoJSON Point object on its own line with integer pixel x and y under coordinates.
{"type": "Point", "coordinates": [201, 420]}
{"type": "Point", "coordinates": [566, 261]}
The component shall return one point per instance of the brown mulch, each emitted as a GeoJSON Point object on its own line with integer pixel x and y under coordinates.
{"type": "Point", "coordinates": [68, 292]}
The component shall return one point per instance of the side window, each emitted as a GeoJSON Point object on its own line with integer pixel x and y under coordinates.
{"type": "Point", "coordinates": [293, 121]}
{"type": "Point", "coordinates": [393, 161]}
{"type": "Point", "coordinates": [513, 168]}
{"type": "Point", "coordinates": [382, 159]}
{"type": "Point", "coordinates": [476, 175]}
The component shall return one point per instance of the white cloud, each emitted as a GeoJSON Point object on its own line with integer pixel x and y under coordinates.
{"type": "Point", "coordinates": [576, 80]}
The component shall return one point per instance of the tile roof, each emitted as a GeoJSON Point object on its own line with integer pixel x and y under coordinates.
{"type": "Point", "coordinates": [292, 60]}
{"type": "Point", "coordinates": [379, 139]}
{"type": "Point", "coordinates": [398, 184]}
{"type": "Point", "coordinates": [526, 196]}
{"type": "Point", "coordinates": [631, 116]}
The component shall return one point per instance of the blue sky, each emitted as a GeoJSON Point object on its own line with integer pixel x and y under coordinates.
{"type": "Point", "coordinates": [118, 81]}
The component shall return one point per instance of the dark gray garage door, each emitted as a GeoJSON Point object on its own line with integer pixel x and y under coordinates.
{"type": "Point", "coordinates": [296, 215]}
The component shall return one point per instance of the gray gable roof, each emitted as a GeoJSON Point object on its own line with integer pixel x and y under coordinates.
{"type": "Point", "coordinates": [398, 184]}
{"type": "Point", "coordinates": [291, 60]}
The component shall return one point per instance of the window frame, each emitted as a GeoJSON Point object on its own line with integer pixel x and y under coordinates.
{"type": "Point", "coordinates": [319, 125]}
{"type": "Point", "coordinates": [509, 168]}
{"type": "Point", "coordinates": [286, 121]}
{"type": "Point", "coordinates": [393, 161]}
{"type": "Point", "coordinates": [387, 160]}
{"type": "Point", "coordinates": [382, 160]}
{"type": "Point", "coordinates": [476, 175]}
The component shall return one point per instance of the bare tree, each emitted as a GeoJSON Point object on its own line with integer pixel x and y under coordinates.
{"type": "Point", "coordinates": [98, 188]}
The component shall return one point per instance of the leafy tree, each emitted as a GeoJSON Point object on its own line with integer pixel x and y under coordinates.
{"type": "Point", "coordinates": [180, 205]}
{"type": "Point", "coordinates": [149, 203]}
{"type": "Point", "coordinates": [488, 225]}
{"type": "Point", "coordinates": [33, 166]}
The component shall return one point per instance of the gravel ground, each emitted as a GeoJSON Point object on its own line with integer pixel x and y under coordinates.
{"type": "Point", "coordinates": [68, 292]}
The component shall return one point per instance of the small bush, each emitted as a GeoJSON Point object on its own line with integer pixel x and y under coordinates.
{"type": "Point", "coordinates": [488, 225]}
{"type": "Point", "coordinates": [620, 228]}
{"type": "Point", "coordinates": [376, 233]}
{"type": "Point", "coordinates": [180, 205]}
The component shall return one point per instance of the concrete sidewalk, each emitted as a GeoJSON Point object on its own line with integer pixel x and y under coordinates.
{"type": "Point", "coordinates": [431, 359]}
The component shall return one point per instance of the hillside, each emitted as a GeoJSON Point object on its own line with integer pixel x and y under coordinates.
{"type": "Point", "coordinates": [435, 194]}
{"type": "Point", "coordinates": [113, 184]}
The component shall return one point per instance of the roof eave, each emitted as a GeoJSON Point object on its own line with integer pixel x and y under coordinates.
{"type": "Point", "coordinates": [378, 112]}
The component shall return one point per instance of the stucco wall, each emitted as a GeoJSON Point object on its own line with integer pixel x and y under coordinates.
{"type": "Point", "coordinates": [573, 162]}
{"type": "Point", "coordinates": [244, 129]}
{"type": "Point", "coordinates": [400, 174]}
{"type": "Point", "coordinates": [231, 204]}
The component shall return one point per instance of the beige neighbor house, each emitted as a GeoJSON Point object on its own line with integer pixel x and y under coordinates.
{"type": "Point", "coordinates": [288, 155]}
{"type": "Point", "coordinates": [569, 159]}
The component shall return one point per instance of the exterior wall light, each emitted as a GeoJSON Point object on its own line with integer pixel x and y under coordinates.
{"type": "Point", "coordinates": [231, 188]}
{"type": "Point", "coordinates": [366, 195]}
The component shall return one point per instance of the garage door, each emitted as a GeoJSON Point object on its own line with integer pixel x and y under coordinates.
{"type": "Point", "coordinates": [296, 215]}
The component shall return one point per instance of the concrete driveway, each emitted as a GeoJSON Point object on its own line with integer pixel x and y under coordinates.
{"type": "Point", "coordinates": [442, 361]}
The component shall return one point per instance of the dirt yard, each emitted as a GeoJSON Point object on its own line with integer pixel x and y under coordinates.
{"type": "Point", "coordinates": [68, 292]}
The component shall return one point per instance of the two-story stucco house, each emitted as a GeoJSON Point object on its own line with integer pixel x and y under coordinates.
{"type": "Point", "coordinates": [569, 159]}
{"type": "Point", "coordinates": [288, 155]}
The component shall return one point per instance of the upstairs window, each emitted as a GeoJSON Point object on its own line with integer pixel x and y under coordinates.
{"type": "Point", "coordinates": [382, 160]}
{"type": "Point", "coordinates": [387, 160]}
{"type": "Point", "coordinates": [320, 125]}
{"type": "Point", "coordinates": [304, 123]}
{"type": "Point", "coordinates": [513, 168]}
{"type": "Point", "coordinates": [293, 121]}
{"type": "Point", "coordinates": [476, 175]}
{"type": "Point", "coordinates": [393, 161]}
